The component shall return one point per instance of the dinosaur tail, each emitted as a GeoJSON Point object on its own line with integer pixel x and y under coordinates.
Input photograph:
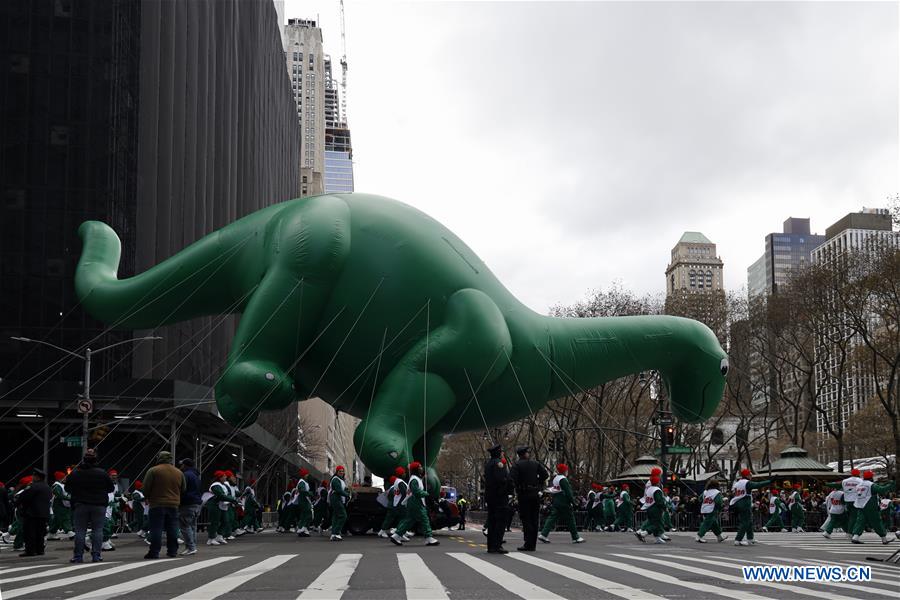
{"type": "Point", "coordinates": [190, 284]}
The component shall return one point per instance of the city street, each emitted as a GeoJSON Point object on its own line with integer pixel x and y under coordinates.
{"type": "Point", "coordinates": [275, 566]}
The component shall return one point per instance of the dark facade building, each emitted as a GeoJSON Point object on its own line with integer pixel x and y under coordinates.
{"type": "Point", "coordinates": [164, 119]}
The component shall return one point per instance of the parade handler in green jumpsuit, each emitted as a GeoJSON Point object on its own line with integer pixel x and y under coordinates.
{"type": "Point", "coordinates": [217, 502]}
{"type": "Point", "coordinates": [250, 523]}
{"type": "Point", "coordinates": [848, 485]}
{"type": "Point", "coordinates": [337, 498]}
{"type": "Point", "coordinates": [669, 509]}
{"type": "Point", "coordinates": [624, 510]}
{"type": "Point", "coordinates": [416, 513]}
{"type": "Point", "coordinates": [654, 503]}
{"type": "Point", "coordinates": [561, 508]}
{"type": "Point", "coordinates": [112, 512]}
{"type": "Point", "coordinates": [304, 509]}
{"type": "Point", "coordinates": [609, 507]}
{"type": "Point", "coordinates": [795, 504]}
{"type": "Point", "coordinates": [62, 512]}
{"type": "Point", "coordinates": [741, 504]}
{"type": "Point", "coordinates": [137, 509]}
{"type": "Point", "coordinates": [867, 509]}
{"type": "Point", "coordinates": [710, 508]}
{"type": "Point", "coordinates": [395, 509]}
{"type": "Point", "coordinates": [776, 507]}
{"type": "Point", "coordinates": [837, 513]}
{"type": "Point", "coordinates": [595, 508]}
{"type": "Point", "coordinates": [228, 514]}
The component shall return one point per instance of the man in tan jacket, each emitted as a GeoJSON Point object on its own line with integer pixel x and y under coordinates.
{"type": "Point", "coordinates": [163, 485]}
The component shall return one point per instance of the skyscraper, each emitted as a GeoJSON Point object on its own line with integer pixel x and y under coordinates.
{"type": "Point", "coordinates": [694, 284]}
{"type": "Point", "coordinates": [786, 253]}
{"type": "Point", "coordinates": [338, 150]}
{"type": "Point", "coordinates": [305, 59]}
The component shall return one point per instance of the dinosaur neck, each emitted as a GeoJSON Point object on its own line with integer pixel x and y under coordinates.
{"type": "Point", "coordinates": [588, 352]}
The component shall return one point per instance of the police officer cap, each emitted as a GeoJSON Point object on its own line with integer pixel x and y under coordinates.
{"type": "Point", "coordinates": [495, 450]}
{"type": "Point", "coordinates": [522, 450]}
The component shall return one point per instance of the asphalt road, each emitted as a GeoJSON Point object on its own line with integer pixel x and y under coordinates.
{"type": "Point", "coordinates": [271, 566]}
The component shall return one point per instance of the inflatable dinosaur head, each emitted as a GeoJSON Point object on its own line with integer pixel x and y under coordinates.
{"type": "Point", "coordinates": [696, 378]}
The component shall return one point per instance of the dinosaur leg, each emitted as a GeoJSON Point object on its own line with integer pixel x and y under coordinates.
{"type": "Point", "coordinates": [410, 402]}
{"type": "Point", "coordinates": [306, 247]}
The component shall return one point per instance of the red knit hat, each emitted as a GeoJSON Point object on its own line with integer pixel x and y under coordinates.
{"type": "Point", "coordinates": [25, 481]}
{"type": "Point", "coordinates": [798, 485]}
{"type": "Point", "coordinates": [666, 490]}
{"type": "Point", "coordinates": [303, 472]}
{"type": "Point", "coordinates": [112, 472]}
{"type": "Point", "coordinates": [59, 476]}
{"type": "Point", "coordinates": [391, 480]}
{"type": "Point", "coordinates": [138, 485]}
{"type": "Point", "coordinates": [854, 472]}
{"type": "Point", "coordinates": [625, 486]}
{"type": "Point", "coordinates": [503, 460]}
{"type": "Point", "coordinates": [218, 474]}
{"type": "Point", "coordinates": [562, 468]}
{"type": "Point", "coordinates": [229, 474]}
{"type": "Point", "coordinates": [654, 479]}
{"type": "Point", "coordinates": [868, 475]}
{"type": "Point", "coordinates": [339, 468]}
{"type": "Point", "coordinates": [745, 472]}
{"type": "Point", "coordinates": [414, 465]}
{"type": "Point", "coordinates": [656, 471]}
{"type": "Point", "coordinates": [399, 471]}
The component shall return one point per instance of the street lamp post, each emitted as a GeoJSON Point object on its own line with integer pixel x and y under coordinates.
{"type": "Point", "coordinates": [87, 374]}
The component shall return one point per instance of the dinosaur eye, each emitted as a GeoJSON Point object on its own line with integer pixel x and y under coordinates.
{"type": "Point", "coordinates": [723, 366]}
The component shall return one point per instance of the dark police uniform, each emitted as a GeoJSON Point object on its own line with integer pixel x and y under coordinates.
{"type": "Point", "coordinates": [529, 477]}
{"type": "Point", "coordinates": [496, 490]}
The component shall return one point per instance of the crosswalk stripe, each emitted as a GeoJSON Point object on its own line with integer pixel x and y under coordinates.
{"type": "Point", "coordinates": [52, 572]}
{"type": "Point", "coordinates": [47, 585]}
{"type": "Point", "coordinates": [223, 585]}
{"type": "Point", "coordinates": [778, 586]}
{"type": "Point", "coordinates": [148, 580]}
{"type": "Point", "coordinates": [332, 582]}
{"type": "Point", "coordinates": [504, 578]}
{"type": "Point", "coordinates": [662, 578]}
{"type": "Point", "coordinates": [421, 583]}
{"type": "Point", "coordinates": [610, 587]}
{"type": "Point", "coordinates": [844, 564]}
{"type": "Point", "coordinates": [42, 565]}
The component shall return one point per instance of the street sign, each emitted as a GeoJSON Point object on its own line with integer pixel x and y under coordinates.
{"type": "Point", "coordinates": [85, 407]}
{"type": "Point", "coordinates": [73, 441]}
{"type": "Point", "coordinates": [677, 450]}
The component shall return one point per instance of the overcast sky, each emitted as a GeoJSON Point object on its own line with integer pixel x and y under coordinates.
{"type": "Point", "coordinates": [571, 144]}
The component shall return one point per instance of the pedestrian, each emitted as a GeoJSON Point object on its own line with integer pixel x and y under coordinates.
{"type": "Point", "coordinates": [529, 477]}
{"type": "Point", "coordinates": [89, 488]}
{"type": "Point", "coordinates": [837, 513]}
{"type": "Point", "coordinates": [496, 492]}
{"type": "Point", "coordinates": [710, 509]}
{"type": "Point", "coordinates": [561, 508]}
{"type": "Point", "coordinates": [741, 503]}
{"type": "Point", "coordinates": [304, 503]}
{"type": "Point", "coordinates": [61, 522]}
{"type": "Point", "coordinates": [463, 505]}
{"type": "Point", "coordinates": [112, 512]}
{"type": "Point", "coordinates": [416, 514]}
{"type": "Point", "coordinates": [867, 508]}
{"type": "Point", "coordinates": [608, 496]}
{"type": "Point", "coordinates": [624, 510]}
{"type": "Point", "coordinates": [594, 508]}
{"type": "Point", "coordinates": [189, 506]}
{"type": "Point", "coordinates": [217, 505]}
{"type": "Point", "coordinates": [18, 527]}
{"type": "Point", "coordinates": [250, 524]}
{"type": "Point", "coordinates": [795, 505]}
{"type": "Point", "coordinates": [163, 485]}
{"type": "Point", "coordinates": [776, 507]}
{"type": "Point", "coordinates": [34, 502]}
{"type": "Point", "coordinates": [654, 503]}
{"type": "Point", "coordinates": [337, 498]}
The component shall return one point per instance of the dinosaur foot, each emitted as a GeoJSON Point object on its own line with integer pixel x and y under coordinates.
{"type": "Point", "coordinates": [250, 386]}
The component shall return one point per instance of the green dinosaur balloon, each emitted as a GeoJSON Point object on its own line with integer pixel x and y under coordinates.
{"type": "Point", "coordinates": [381, 311]}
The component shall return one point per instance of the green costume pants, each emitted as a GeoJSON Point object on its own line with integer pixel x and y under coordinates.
{"type": "Point", "coordinates": [304, 514]}
{"type": "Point", "coordinates": [745, 521]}
{"type": "Point", "coordinates": [318, 514]}
{"type": "Point", "coordinates": [798, 516]}
{"type": "Point", "coordinates": [228, 521]}
{"type": "Point", "coordinates": [710, 523]}
{"type": "Point", "coordinates": [251, 518]}
{"type": "Point", "coordinates": [624, 518]}
{"type": "Point", "coordinates": [215, 521]}
{"type": "Point", "coordinates": [338, 517]}
{"type": "Point", "coordinates": [16, 531]}
{"type": "Point", "coordinates": [415, 514]}
{"type": "Point", "coordinates": [62, 518]}
{"type": "Point", "coordinates": [563, 514]}
{"type": "Point", "coordinates": [393, 517]}
{"type": "Point", "coordinates": [609, 517]}
{"type": "Point", "coordinates": [869, 517]}
{"type": "Point", "coordinates": [775, 521]}
{"type": "Point", "coordinates": [666, 520]}
{"type": "Point", "coordinates": [655, 519]}
{"type": "Point", "coordinates": [836, 522]}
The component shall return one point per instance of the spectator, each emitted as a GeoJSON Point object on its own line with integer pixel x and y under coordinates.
{"type": "Point", "coordinates": [89, 487]}
{"type": "Point", "coordinates": [34, 502]}
{"type": "Point", "coordinates": [189, 509]}
{"type": "Point", "coordinates": [163, 486]}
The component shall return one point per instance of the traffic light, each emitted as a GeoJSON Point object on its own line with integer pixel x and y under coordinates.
{"type": "Point", "coordinates": [669, 435]}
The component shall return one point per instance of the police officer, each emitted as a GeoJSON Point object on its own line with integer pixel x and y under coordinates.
{"type": "Point", "coordinates": [529, 477]}
{"type": "Point", "coordinates": [496, 490]}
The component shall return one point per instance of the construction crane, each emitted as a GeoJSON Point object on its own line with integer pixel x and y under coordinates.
{"type": "Point", "coordinates": [343, 69]}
